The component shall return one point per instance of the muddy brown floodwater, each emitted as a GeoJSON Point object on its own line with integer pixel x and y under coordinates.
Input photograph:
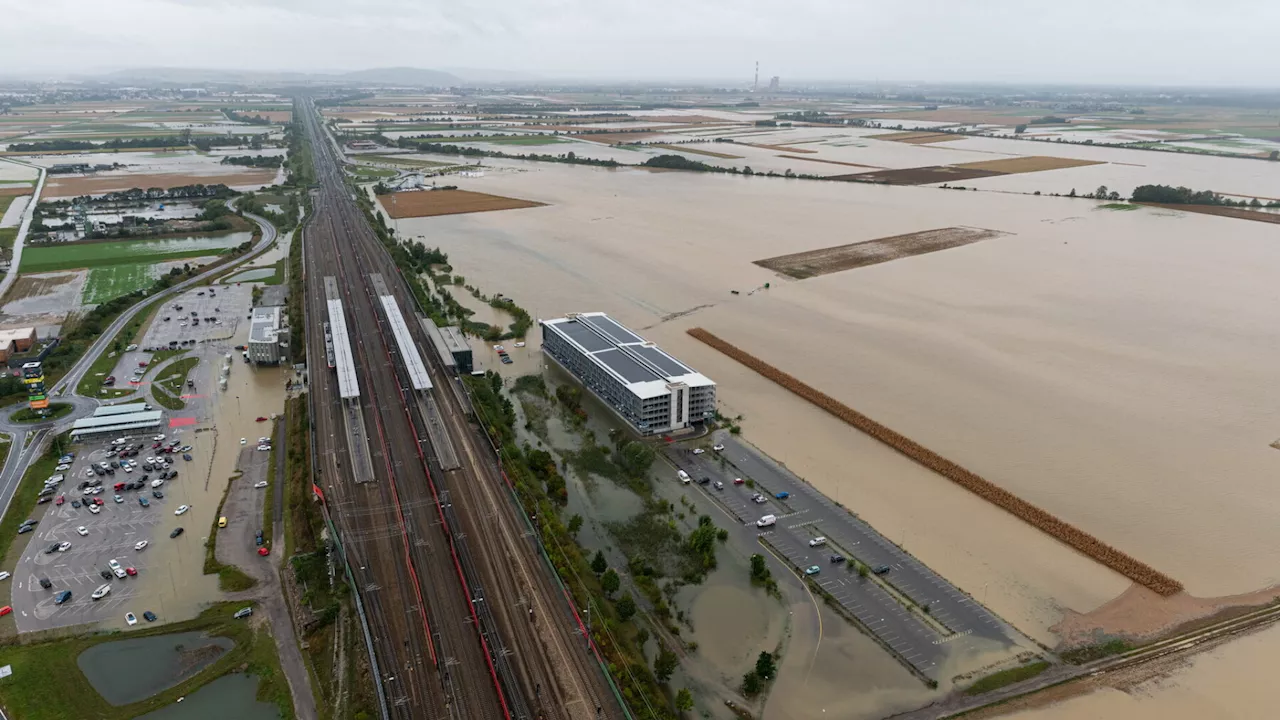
{"type": "Point", "coordinates": [1114, 368]}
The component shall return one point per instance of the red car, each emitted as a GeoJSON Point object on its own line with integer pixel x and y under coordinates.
{"type": "Point", "coordinates": [97, 501]}
{"type": "Point", "coordinates": [119, 486]}
{"type": "Point", "coordinates": [61, 499]}
{"type": "Point", "coordinates": [142, 364]}
{"type": "Point", "coordinates": [130, 572]}
{"type": "Point", "coordinates": [5, 610]}
{"type": "Point", "coordinates": [111, 380]}
{"type": "Point", "coordinates": [153, 447]}
{"type": "Point", "coordinates": [263, 551]}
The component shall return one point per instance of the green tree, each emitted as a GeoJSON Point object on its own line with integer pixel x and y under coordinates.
{"type": "Point", "coordinates": [636, 458]}
{"type": "Point", "coordinates": [598, 563]}
{"type": "Point", "coordinates": [642, 637]}
{"type": "Point", "coordinates": [664, 664]}
{"type": "Point", "coordinates": [575, 524]}
{"type": "Point", "coordinates": [759, 570]}
{"type": "Point", "coordinates": [1101, 193]}
{"type": "Point", "coordinates": [751, 685]}
{"type": "Point", "coordinates": [1019, 129]}
{"type": "Point", "coordinates": [684, 700]}
{"type": "Point", "coordinates": [1275, 155]}
{"type": "Point", "coordinates": [610, 582]}
{"type": "Point", "coordinates": [626, 607]}
{"type": "Point", "coordinates": [765, 666]}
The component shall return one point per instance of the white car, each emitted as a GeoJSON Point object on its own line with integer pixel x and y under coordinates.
{"type": "Point", "coordinates": [264, 447]}
{"type": "Point", "coordinates": [65, 546]}
{"type": "Point", "coordinates": [101, 592]}
{"type": "Point", "coordinates": [158, 438]}
{"type": "Point", "coordinates": [128, 468]}
{"type": "Point", "coordinates": [157, 483]}
{"type": "Point", "coordinates": [718, 448]}
{"type": "Point", "coordinates": [130, 618]}
{"type": "Point", "coordinates": [181, 509]}
{"type": "Point", "coordinates": [113, 564]}
{"type": "Point", "coordinates": [698, 451]}
{"type": "Point", "coordinates": [82, 530]}
{"type": "Point", "coordinates": [141, 544]}
{"type": "Point", "coordinates": [4, 574]}
{"type": "Point", "coordinates": [244, 440]}
{"type": "Point", "coordinates": [95, 509]}
{"type": "Point", "coordinates": [498, 348]}
{"type": "Point", "coordinates": [63, 467]}
{"type": "Point", "coordinates": [519, 344]}
{"type": "Point", "coordinates": [260, 484]}
{"type": "Point", "coordinates": [264, 441]}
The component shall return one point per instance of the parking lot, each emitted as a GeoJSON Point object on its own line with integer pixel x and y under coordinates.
{"type": "Point", "coordinates": [110, 534]}
{"type": "Point", "coordinates": [955, 622]}
{"type": "Point", "coordinates": [220, 310]}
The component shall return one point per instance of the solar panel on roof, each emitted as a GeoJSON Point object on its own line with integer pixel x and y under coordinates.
{"type": "Point", "coordinates": [627, 367]}
{"type": "Point", "coordinates": [612, 329]}
{"type": "Point", "coordinates": [583, 336]}
{"type": "Point", "coordinates": [663, 362]}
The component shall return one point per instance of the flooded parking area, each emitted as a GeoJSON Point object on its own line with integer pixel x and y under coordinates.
{"type": "Point", "coordinates": [126, 671]}
{"type": "Point", "coordinates": [161, 570]}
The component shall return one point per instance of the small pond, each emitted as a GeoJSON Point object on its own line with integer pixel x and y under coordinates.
{"type": "Point", "coordinates": [126, 671]}
{"type": "Point", "coordinates": [230, 696]}
{"type": "Point", "coordinates": [249, 275]}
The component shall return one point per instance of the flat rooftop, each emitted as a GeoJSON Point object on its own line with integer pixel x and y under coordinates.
{"type": "Point", "coordinates": [116, 423]}
{"type": "Point", "coordinates": [264, 325]}
{"type": "Point", "coordinates": [642, 366]}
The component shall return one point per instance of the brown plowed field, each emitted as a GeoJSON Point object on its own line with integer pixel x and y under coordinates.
{"type": "Point", "coordinates": [918, 176]}
{"type": "Point", "coordinates": [917, 137]}
{"type": "Point", "coordinates": [831, 162]}
{"type": "Point", "coordinates": [1231, 212]}
{"type": "Point", "coordinates": [6, 192]}
{"type": "Point", "coordinates": [429, 203]}
{"type": "Point", "coordinates": [77, 186]}
{"type": "Point", "coordinates": [780, 148]}
{"type": "Point", "coordinates": [824, 261]}
{"type": "Point", "coordinates": [1082, 541]}
{"type": "Point", "coordinates": [1031, 163]}
{"type": "Point", "coordinates": [695, 151]}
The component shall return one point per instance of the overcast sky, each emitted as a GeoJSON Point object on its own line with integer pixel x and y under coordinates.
{"type": "Point", "coordinates": [1184, 42]}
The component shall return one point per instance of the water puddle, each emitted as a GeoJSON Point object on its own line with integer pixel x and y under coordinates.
{"type": "Point", "coordinates": [230, 696]}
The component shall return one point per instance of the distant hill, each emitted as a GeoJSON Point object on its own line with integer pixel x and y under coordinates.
{"type": "Point", "coordinates": [418, 77]}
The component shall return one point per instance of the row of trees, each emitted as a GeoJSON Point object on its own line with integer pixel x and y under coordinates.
{"type": "Point", "coordinates": [257, 161]}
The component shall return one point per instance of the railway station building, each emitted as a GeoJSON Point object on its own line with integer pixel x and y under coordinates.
{"type": "Point", "coordinates": [266, 336]}
{"type": "Point", "coordinates": [652, 391]}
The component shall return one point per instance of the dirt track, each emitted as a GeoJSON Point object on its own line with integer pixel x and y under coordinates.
{"type": "Point", "coordinates": [1068, 534]}
{"type": "Point", "coordinates": [77, 186]}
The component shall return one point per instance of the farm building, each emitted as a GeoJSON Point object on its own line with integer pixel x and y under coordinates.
{"type": "Point", "coordinates": [648, 388]}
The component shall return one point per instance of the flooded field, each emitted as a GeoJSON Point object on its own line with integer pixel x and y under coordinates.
{"type": "Point", "coordinates": [126, 671]}
{"type": "Point", "coordinates": [1113, 368]}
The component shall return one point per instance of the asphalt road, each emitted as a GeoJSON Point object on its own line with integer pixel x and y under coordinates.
{"type": "Point", "coordinates": [807, 514]}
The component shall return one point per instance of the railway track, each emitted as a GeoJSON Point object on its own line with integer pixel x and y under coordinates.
{"type": "Point", "coordinates": [469, 622]}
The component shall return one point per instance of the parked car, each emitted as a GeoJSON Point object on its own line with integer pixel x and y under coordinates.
{"type": "Point", "coordinates": [698, 451]}
{"type": "Point", "coordinates": [260, 484]}
{"type": "Point", "coordinates": [101, 592]}
{"type": "Point", "coordinates": [176, 532]}
{"type": "Point", "coordinates": [82, 531]}
{"type": "Point", "coordinates": [140, 545]}
{"type": "Point", "coordinates": [181, 509]}
{"type": "Point", "coordinates": [64, 546]}
{"type": "Point", "coordinates": [25, 529]}
{"type": "Point", "coordinates": [718, 485]}
{"type": "Point", "coordinates": [149, 616]}
{"type": "Point", "coordinates": [44, 500]}
{"type": "Point", "coordinates": [130, 618]}
{"type": "Point", "coordinates": [62, 597]}
{"type": "Point", "coordinates": [186, 456]}
{"type": "Point", "coordinates": [117, 498]}
{"type": "Point", "coordinates": [44, 583]}
{"type": "Point", "coordinates": [144, 502]}
{"type": "Point", "coordinates": [131, 572]}
{"type": "Point", "coordinates": [157, 494]}
{"type": "Point", "coordinates": [94, 509]}
{"type": "Point", "coordinates": [813, 570]}
{"type": "Point", "coordinates": [759, 499]}
{"type": "Point", "coordinates": [718, 448]}
{"type": "Point", "coordinates": [264, 551]}
{"type": "Point", "coordinates": [815, 542]}
{"type": "Point", "coordinates": [61, 499]}
{"type": "Point", "coordinates": [783, 495]}
{"type": "Point", "coordinates": [881, 569]}
{"type": "Point", "coordinates": [835, 559]}
{"type": "Point", "coordinates": [243, 613]}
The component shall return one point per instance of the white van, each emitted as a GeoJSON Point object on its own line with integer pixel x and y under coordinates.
{"type": "Point", "coordinates": [817, 541]}
{"type": "Point", "coordinates": [766, 521]}
{"type": "Point", "coordinates": [684, 476]}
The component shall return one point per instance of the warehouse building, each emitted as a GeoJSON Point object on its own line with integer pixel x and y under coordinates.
{"type": "Point", "coordinates": [266, 336]}
{"type": "Point", "coordinates": [118, 424]}
{"type": "Point", "coordinates": [17, 340]}
{"type": "Point", "coordinates": [652, 391]}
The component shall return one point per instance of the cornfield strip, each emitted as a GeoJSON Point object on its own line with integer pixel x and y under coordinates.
{"type": "Point", "coordinates": [1082, 541]}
